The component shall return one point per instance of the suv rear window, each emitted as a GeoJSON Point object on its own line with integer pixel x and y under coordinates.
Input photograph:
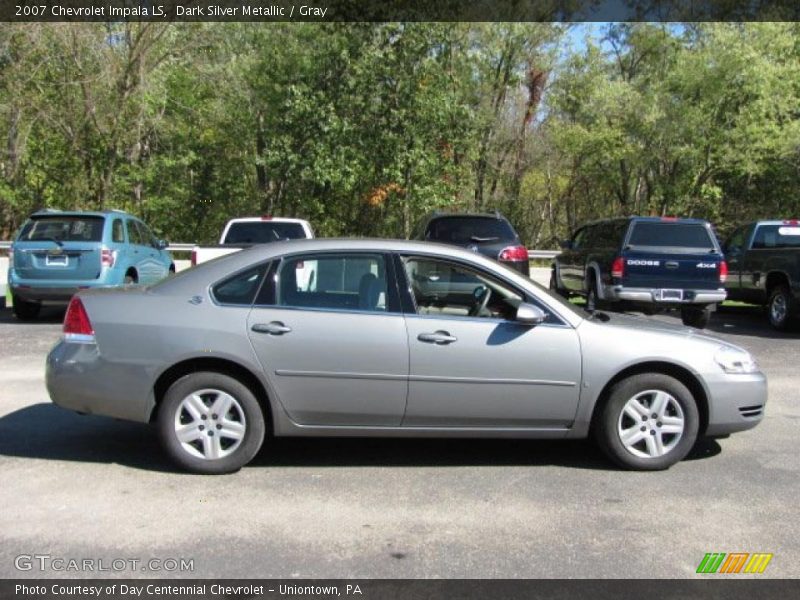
{"type": "Point", "coordinates": [63, 229]}
{"type": "Point", "coordinates": [682, 235]}
{"type": "Point", "coordinates": [462, 230]}
{"type": "Point", "coordinates": [263, 232]}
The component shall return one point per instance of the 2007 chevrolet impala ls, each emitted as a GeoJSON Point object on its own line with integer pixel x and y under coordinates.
{"type": "Point", "coordinates": [389, 338]}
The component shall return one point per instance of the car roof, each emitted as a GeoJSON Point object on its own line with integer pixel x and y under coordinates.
{"type": "Point", "coordinates": [647, 220]}
{"type": "Point", "coordinates": [267, 219]}
{"type": "Point", "coordinates": [79, 213]}
{"type": "Point", "coordinates": [447, 215]}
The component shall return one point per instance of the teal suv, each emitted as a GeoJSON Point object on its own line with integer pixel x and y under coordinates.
{"type": "Point", "coordinates": [57, 253]}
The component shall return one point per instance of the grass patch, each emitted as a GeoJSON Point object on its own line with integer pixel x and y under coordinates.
{"type": "Point", "coordinates": [8, 296]}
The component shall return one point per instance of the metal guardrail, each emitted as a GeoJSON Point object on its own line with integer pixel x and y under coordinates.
{"type": "Point", "coordinates": [532, 254]}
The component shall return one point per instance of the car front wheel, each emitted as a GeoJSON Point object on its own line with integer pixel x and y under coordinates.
{"type": "Point", "coordinates": [210, 423]}
{"type": "Point", "coordinates": [649, 423]}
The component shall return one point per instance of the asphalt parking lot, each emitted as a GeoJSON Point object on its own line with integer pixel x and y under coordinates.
{"type": "Point", "coordinates": [88, 487]}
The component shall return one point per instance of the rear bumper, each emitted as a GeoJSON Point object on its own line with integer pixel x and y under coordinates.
{"type": "Point", "coordinates": [651, 295]}
{"type": "Point", "coordinates": [736, 402]}
{"type": "Point", "coordinates": [78, 378]}
{"type": "Point", "coordinates": [55, 295]}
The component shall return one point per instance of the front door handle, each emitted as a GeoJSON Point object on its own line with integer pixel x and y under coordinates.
{"type": "Point", "coordinates": [437, 337]}
{"type": "Point", "coordinates": [273, 328]}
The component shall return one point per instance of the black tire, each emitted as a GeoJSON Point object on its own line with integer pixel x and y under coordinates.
{"type": "Point", "coordinates": [248, 412]}
{"type": "Point", "coordinates": [554, 285]}
{"type": "Point", "coordinates": [605, 427]}
{"type": "Point", "coordinates": [781, 308]}
{"type": "Point", "coordinates": [593, 302]}
{"type": "Point", "coordinates": [24, 310]}
{"type": "Point", "coordinates": [694, 316]}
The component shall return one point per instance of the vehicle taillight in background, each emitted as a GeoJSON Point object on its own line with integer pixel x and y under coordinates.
{"type": "Point", "coordinates": [723, 272]}
{"type": "Point", "coordinates": [618, 267]}
{"type": "Point", "coordinates": [107, 257]}
{"type": "Point", "coordinates": [77, 327]}
{"type": "Point", "coordinates": [194, 257]}
{"type": "Point", "coordinates": [513, 254]}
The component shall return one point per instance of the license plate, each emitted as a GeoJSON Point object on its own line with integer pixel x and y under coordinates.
{"type": "Point", "coordinates": [670, 295]}
{"type": "Point", "coordinates": [56, 261]}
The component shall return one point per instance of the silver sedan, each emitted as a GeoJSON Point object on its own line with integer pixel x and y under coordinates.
{"type": "Point", "coordinates": [389, 338]}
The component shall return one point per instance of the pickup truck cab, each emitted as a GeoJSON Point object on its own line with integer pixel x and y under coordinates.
{"type": "Point", "coordinates": [248, 231]}
{"type": "Point", "coordinates": [56, 253]}
{"type": "Point", "coordinates": [764, 262]}
{"type": "Point", "coordinates": [650, 263]}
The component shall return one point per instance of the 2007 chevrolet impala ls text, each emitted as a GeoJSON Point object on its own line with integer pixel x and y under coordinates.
{"type": "Point", "coordinates": [389, 338]}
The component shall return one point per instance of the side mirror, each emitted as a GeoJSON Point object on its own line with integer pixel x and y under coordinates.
{"type": "Point", "coordinates": [528, 314]}
{"type": "Point", "coordinates": [566, 244]}
{"type": "Point", "coordinates": [162, 244]}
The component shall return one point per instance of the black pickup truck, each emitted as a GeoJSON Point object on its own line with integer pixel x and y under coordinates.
{"type": "Point", "coordinates": [764, 262]}
{"type": "Point", "coordinates": [650, 263]}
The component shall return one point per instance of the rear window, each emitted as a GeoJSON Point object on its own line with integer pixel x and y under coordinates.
{"type": "Point", "coordinates": [63, 229]}
{"type": "Point", "coordinates": [777, 236]}
{"type": "Point", "coordinates": [462, 230]}
{"type": "Point", "coordinates": [681, 235]}
{"type": "Point", "coordinates": [263, 232]}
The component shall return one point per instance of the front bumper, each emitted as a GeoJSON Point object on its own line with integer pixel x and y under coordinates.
{"type": "Point", "coordinates": [653, 295]}
{"type": "Point", "coordinates": [736, 402]}
{"type": "Point", "coordinates": [78, 378]}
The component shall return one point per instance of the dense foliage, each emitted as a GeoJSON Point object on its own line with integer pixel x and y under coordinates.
{"type": "Point", "coordinates": [364, 128]}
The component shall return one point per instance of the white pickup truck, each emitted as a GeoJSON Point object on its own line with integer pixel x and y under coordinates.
{"type": "Point", "coordinates": [245, 232]}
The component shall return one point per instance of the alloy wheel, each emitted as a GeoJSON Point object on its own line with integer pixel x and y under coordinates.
{"type": "Point", "coordinates": [210, 424]}
{"type": "Point", "coordinates": [651, 424]}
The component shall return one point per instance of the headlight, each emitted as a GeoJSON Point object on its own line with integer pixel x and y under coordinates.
{"type": "Point", "coordinates": [735, 360]}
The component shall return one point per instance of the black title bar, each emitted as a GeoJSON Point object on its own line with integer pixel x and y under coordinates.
{"type": "Point", "coordinates": [398, 10]}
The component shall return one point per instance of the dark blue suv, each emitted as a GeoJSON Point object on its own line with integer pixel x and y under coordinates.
{"type": "Point", "coordinates": [648, 263]}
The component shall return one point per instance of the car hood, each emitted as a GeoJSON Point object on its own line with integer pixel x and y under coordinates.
{"type": "Point", "coordinates": [650, 325]}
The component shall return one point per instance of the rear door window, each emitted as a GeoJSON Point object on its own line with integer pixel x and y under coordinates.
{"type": "Point", "coordinates": [63, 229]}
{"type": "Point", "coordinates": [356, 282]}
{"type": "Point", "coordinates": [674, 235]}
{"type": "Point", "coordinates": [463, 230]}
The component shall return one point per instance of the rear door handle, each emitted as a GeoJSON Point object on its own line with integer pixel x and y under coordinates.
{"type": "Point", "coordinates": [273, 328]}
{"type": "Point", "coordinates": [437, 337]}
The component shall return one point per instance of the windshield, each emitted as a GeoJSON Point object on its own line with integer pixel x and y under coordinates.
{"type": "Point", "coordinates": [263, 232]}
{"type": "Point", "coordinates": [62, 229]}
{"type": "Point", "coordinates": [463, 230]}
{"type": "Point", "coordinates": [675, 235]}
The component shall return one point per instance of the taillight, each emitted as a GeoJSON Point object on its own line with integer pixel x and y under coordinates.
{"type": "Point", "coordinates": [723, 272]}
{"type": "Point", "coordinates": [618, 268]}
{"type": "Point", "coordinates": [107, 257]}
{"type": "Point", "coordinates": [513, 253]}
{"type": "Point", "coordinates": [194, 257]}
{"type": "Point", "coordinates": [77, 327]}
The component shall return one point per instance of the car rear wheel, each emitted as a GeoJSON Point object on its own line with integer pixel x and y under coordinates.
{"type": "Point", "coordinates": [211, 423]}
{"type": "Point", "coordinates": [24, 310]}
{"type": "Point", "coordinates": [781, 308]}
{"type": "Point", "coordinates": [649, 423]}
{"type": "Point", "coordinates": [693, 316]}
